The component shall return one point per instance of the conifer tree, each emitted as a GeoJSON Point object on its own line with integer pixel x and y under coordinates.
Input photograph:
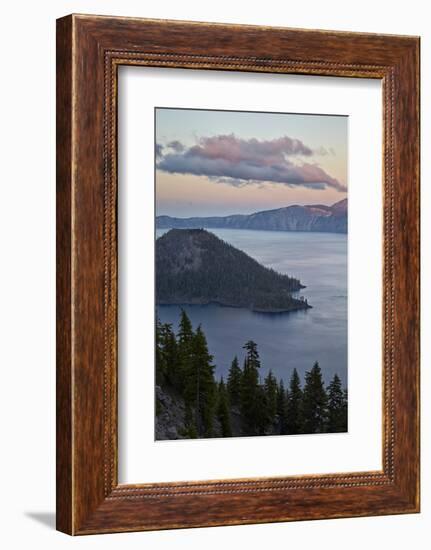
{"type": "Point", "coordinates": [314, 401]}
{"type": "Point", "coordinates": [282, 407]}
{"type": "Point", "coordinates": [294, 416]}
{"type": "Point", "coordinates": [160, 366]}
{"type": "Point", "coordinates": [184, 340]}
{"type": "Point", "coordinates": [262, 419]}
{"type": "Point", "coordinates": [271, 390]}
{"type": "Point", "coordinates": [345, 410]}
{"type": "Point", "coordinates": [336, 407]}
{"type": "Point", "coordinates": [223, 414]}
{"type": "Point", "coordinates": [250, 395]}
{"type": "Point", "coordinates": [170, 355]}
{"type": "Point", "coordinates": [234, 382]}
{"type": "Point", "coordinates": [252, 355]}
{"type": "Point", "coordinates": [200, 390]}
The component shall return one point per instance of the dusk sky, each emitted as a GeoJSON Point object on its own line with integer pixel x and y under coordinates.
{"type": "Point", "coordinates": [229, 162]}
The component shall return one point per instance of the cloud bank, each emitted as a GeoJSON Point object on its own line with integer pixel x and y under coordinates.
{"type": "Point", "coordinates": [237, 161]}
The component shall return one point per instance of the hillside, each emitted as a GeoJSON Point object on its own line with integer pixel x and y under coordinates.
{"type": "Point", "coordinates": [192, 403]}
{"type": "Point", "coordinates": [315, 218]}
{"type": "Point", "coordinates": [193, 266]}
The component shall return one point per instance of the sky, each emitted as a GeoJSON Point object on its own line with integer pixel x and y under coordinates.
{"type": "Point", "coordinates": [211, 163]}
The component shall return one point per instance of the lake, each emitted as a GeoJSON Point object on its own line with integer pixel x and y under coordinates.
{"type": "Point", "coordinates": [285, 340]}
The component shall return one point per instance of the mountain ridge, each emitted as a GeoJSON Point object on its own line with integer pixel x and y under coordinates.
{"type": "Point", "coordinates": [313, 218]}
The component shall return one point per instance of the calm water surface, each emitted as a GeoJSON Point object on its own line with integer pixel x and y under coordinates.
{"type": "Point", "coordinates": [285, 340]}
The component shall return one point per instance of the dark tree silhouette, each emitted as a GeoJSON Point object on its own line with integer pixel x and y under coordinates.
{"type": "Point", "coordinates": [294, 416]}
{"type": "Point", "coordinates": [160, 365]}
{"type": "Point", "coordinates": [282, 396]}
{"type": "Point", "coordinates": [263, 420]}
{"type": "Point", "coordinates": [315, 401]}
{"type": "Point", "coordinates": [271, 390]}
{"type": "Point", "coordinates": [345, 408]}
{"type": "Point", "coordinates": [170, 356]}
{"type": "Point", "coordinates": [223, 414]}
{"type": "Point", "coordinates": [337, 418]}
{"type": "Point", "coordinates": [234, 382]}
{"type": "Point", "coordinates": [200, 390]}
{"type": "Point", "coordinates": [250, 395]}
{"type": "Point", "coordinates": [185, 339]}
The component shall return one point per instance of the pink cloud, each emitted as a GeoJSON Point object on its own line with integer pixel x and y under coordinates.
{"type": "Point", "coordinates": [240, 161]}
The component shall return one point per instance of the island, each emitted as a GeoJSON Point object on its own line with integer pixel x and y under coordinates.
{"type": "Point", "coordinates": [194, 266]}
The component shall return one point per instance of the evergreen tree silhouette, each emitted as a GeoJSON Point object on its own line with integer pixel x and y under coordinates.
{"type": "Point", "coordinates": [337, 421]}
{"type": "Point", "coordinates": [251, 397]}
{"type": "Point", "coordinates": [315, 401]}
{"type": "Point", "coordinates": [200, 390]}
{"type": "Point", "coordinates": [184, 340]}
{"type": "Point", "coordinates": [170, 355]}
{"type": "Point", "coordinates": [271, 390]}
{"type": "Point", "coordinates": [234, 382]}
{"type": "Point", "coordinates": [160, 365]}
{"type": "Point", "coordinates": [282, 408]}
{"type": "Point", "coordinates": [223, 414]}
{"type": "Point", "coordinates": [294, 413]}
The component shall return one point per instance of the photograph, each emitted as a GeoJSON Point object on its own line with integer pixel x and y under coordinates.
{"type": "Point", "coordinates": [251, 257]}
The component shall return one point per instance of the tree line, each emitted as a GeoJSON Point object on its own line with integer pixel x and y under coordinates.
{"type": "Point", "coordinates": [243, 404]}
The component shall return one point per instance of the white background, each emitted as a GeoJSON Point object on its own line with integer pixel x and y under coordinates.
{"type": "Point", "coordinates": [27, 117]}
{"type": "Point", "coordinates": [141, 458]}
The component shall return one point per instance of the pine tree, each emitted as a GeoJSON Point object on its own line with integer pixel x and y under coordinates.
{"type": "Point", "coordinates": [336, 407]}
{"type": "Point", "coordinates": [200, 389]}
{"type": "Point", "coordinates": [345, 410]}
{"type": "Point", "coordinates": [223, 414]}
{"type": "Point", "coordinates": [170, 355]}
{"type": "Point", "coordinates": [160, 364]}
{"type": "Point", "coordinates": [263, 421]}
{"type": "Point", "coordinates": [252, 355]}
{"type": "Point", "coordinates": [282, 407]}
{"type": "Point", "coordinates": [314, 401]}
{"type": "Point", "coordinates": [234, 382]}
{"type": "Point", "coordinates": [184, 340]}
{"type": "Point", "coordinates": [250, 395]}
{"type": "Point", "coordinates": [294, 417]}
{"type": "Point", "coordinates": [271, 390]}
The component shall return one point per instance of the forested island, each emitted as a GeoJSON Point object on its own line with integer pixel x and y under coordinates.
{"type": "Point", "coordinates": [191, 403]}
{"type": "Point", "coordinates": [193, 266]}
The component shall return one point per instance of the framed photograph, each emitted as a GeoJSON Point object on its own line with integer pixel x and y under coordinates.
{"type": "Point", "coordinates": [237, 274]}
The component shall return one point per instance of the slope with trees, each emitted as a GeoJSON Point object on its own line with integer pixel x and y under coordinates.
{"type": "Point", "coordinates": [193, 266]}
{"type": "Point", "coordinates": [191, 403]}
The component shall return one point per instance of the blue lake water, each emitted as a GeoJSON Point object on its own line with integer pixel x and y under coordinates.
{"type": "Point", "coordinates": [285, 340]}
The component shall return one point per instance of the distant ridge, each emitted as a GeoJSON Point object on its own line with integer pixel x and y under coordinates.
{"type": "Point", "coordinates": [314, 218]}
{"type": "Point", "coordinates": [193, 266]}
